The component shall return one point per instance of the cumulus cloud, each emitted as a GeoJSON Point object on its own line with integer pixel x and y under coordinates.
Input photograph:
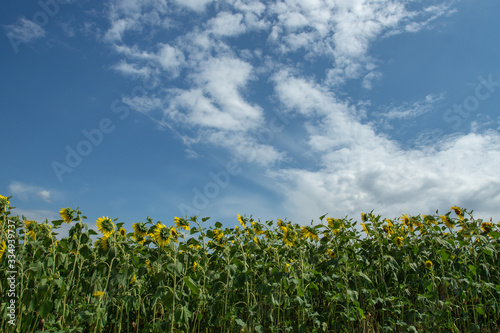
{"type": "Point", "coordinates": [27, 192]}
{"type": "Point", "coordinates": [354, 167]}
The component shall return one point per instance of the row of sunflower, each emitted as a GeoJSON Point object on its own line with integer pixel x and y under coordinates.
{"type": "Point", "coordinates": [413, 273]}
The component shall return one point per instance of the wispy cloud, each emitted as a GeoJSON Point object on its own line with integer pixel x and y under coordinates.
{"type": "Point", "coordinates": [24, 30]}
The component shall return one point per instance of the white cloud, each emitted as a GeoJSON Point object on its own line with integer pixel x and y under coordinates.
{"type": "Point", "coordinates": [196, 5]}
{"type": "Point", "coordinates": [24, 30]}
{"type": "Point", "coordinates": [359, 171]}
{"type": "Point", "coordinates": [412, 110]}
{"type": "Point", "coordinates": [217, 101]}
{"type": "Point", "coordinates": [227, 24]}
{"type": "Point", "coordinates": [27, 192]}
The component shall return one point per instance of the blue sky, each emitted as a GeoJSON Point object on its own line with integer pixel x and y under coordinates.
{"type": "Point", "coordinates": [276, 109]}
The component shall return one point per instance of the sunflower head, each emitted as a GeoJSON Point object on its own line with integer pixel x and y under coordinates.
{"type": "Point", "coordinates": [181, 223]}
{"type": "Point", "coordinates": [309, 233]}
{"type": "Point", "coordinates": [3, 247]}
{"type": "Point", "coordinates": [365, 229]}
{"type": "Point", "coordinates": [67, 214]}
{"type": "Point", "coordinates": [161, 235]}
{"type": "Point", "coordinates": [399, 241]}
{"type": "Point", "coordinates": [174, 235]}
{"type": "Point", "coordinates": [98, 293]}
{"type": "Point", "coordinates": [105, 226]}
{"type": "Point", "coordinates": [242, 221]}
{"type": "Point", "coordinates": [428, 264]}
{"type": "Point", "coordinates": [140, 229]}
{"type": "Point", "coordinates": [487, 226]}
{"type": "Point", "coordinates": [122, 232]}
{"type": "Point", "coordinates": [458, 211]}
{"type": "Point", "coordinates": [363, 217]}
{"type": "Point", "coordinates": [447, 221]}
{"type": "Point", "coordinates": [30, 228]}
{"type": "Point", "coordinates": [104, 242]}
{"type": "Point", "coordinates": [4, 203]}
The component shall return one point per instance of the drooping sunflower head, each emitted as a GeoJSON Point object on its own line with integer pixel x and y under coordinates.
{"type": "Point", "coordinates": [365, 229]}
{"type": "Point", "coordinates": [30, 229]}
{"type": "Point", "coordinates": [98, 293]}
{"type": "Point", "coordinates": [181, 223]}
{"type": "Point", "coordinates": [447, 221]}
{"type": "Point", "coordinates": [123, 232]}
{"type": "Point", "coordinates": [174, 235]}
{"type": "Point", "coordinates": [458, 211]}
{"type": "Point", "coordinates": [103, 242]}
{"type": "Point", "coordinates": [428, 264]}
{"type": "Point", "coordinates": [242, 221]}
{"type": "Point", "coordinates": [161, 235]}
{"type": "Point", "coordinates": [139, 239]}
{"type": "Point", "coordinates": [3, 247]}
{"type": "Point", "coordinates": [4, 203]}
{"type": "Point", "coordinates": [363, 217]}
{"type": "Point", "coordinates": [140, 229]}
{"type": "Point", "coordinates": [399, 241]}
{"type": "Point", "coordinates": [105, 226]}
{"type": "Point", "coordinates": [309, 233]}
{"type": "Point", "coordinates": [487, 226]}
{"type": "Point", "coordinates": [67, 214]}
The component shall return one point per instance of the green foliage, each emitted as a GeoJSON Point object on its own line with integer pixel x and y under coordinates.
{"type": "Point", "coordinates": [414, 274]}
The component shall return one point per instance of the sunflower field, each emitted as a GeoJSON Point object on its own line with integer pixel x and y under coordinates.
{"type": "Point", "coordinates": [425, 273]}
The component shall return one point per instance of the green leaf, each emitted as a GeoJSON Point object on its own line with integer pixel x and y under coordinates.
{"type": "Point", "coordinates": [444, 255]}
{"type": "Point", "coordinates": [44, 308]}
{"type": "Point", "coordinates": [480, 311]}
{"type": "Point", "coordinates": [240, 322]}
{"type": "Point", "coordinates": [472, 269]}
{"type": "Point", "coordinates": [175, 268]}
{"type": "Point", "coordinates": [191, 285]}
{"type": "Point", "coordinates": [494, 234]}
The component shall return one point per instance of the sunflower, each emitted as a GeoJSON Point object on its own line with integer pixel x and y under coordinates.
{"type": "Point", "coordinates": [133, 279]}
{"type": "Point", "coordinates": [363, 217]}
{"type": "Point", "coordinates": [66, 214]}
{"type": "Point", "coordinates": [98, 293]}
{"type": "Point", "coordinates": [195, 265]}
{"type": "Point", "coordinates": [287, 239]}
{"type": "Point", "coordinates": [122, 231]}
{"type": "Point", "coordinates": [407, 222]}
{"type": "Point", "coordinates": [388, 230]}
{"type": "Point", "coordinates": [458, 211]}
{"type": "Point", "coordinates": [331, 253]}
{"type": "Point", "coordinates": [3, 247]}
{"type": "Point", "coordinates": [161, 235]}
{"type": "Point", "coordinates": [30, 229]}
{"type": "Point", "coordinates": [181, 223]}
{"type": "Point", "coordinates": [105, 226]}
{"type": "Point", "coordinates": [280, 223]}
{"type": "Point", "coordinates": [4, 203]}
{"type": "Point", "coordinates": [389, 223]}
{"type": "Point", "coordinates": [257, 228]}
{"type": "Point", "coordinates": [365, 229]}
{"type": "Point", "coordinates": [309, 233]}
{"type": "Point", "coordinates": [287, 268]}
{"type": "Point", "coordinates": [447, 221]}
{"type": "Point", "coordinates": [242, 222]}
{"type": "Point", "coordinates": [139, 239]}
{"type": "Point", "coordinates": [104, 242]}
{"type": "Point", "coordinates": [428, 264]}
{"type": "Point", "coordinates": [399, 241]}
{"type": "Point", "coordinates": [487, 226]}
{"type": "Point", "coordinates": [256, 240]}
{"type": "Point", "coordinates": [140, 229]}
{"type": "Point", "coordinates": [218, 234]}
{"type": "Point", "coordinates": [174, 235]}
